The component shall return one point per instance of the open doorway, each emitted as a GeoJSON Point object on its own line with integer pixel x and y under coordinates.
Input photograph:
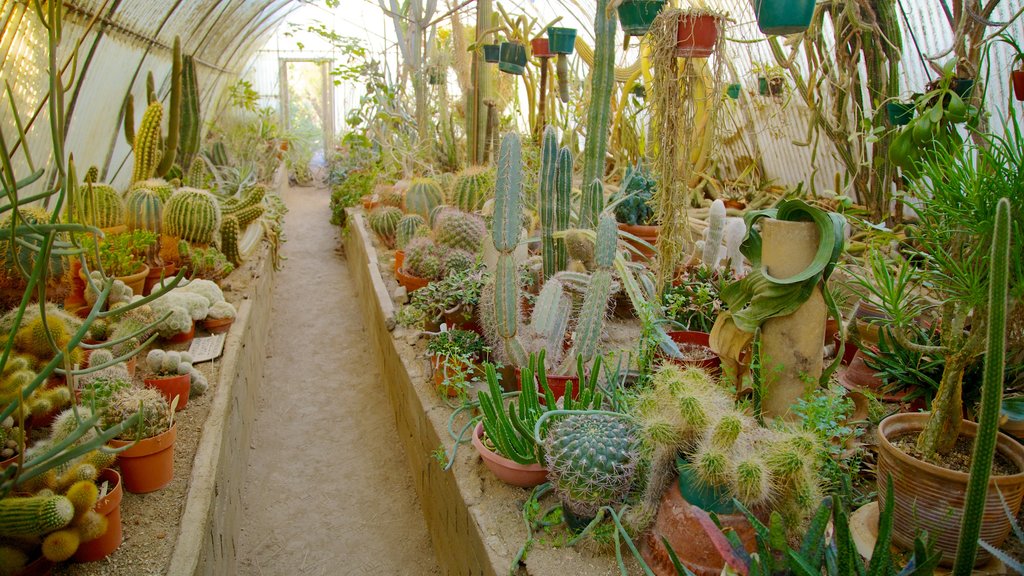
{"type": "Point", "coordinates": [307, 113]}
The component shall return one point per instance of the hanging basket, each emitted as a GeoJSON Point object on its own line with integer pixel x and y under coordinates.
{"type": "Point", "coordinates": [900, 113]}
{"type": "Point", "coordinates": [697, 35]}
{"type": "Point", "coordinates": [539, 47]}
{"type": "Point", "coordinates": [733, 91]}
{"type": "Point", "coordinates": [781, 17]}
{"type": "Point", "coordinates": [769, 87]}
{"type": "Point", "coordinates": [512, 59]}
{"type": "Point", "coordinates": [963, 87]}
{"type": "Point", "coordinates": [561, 40]}
{"type": "Point", "coordinates": [1017, 77]}
{"type": "Point", "coordinates": [636, 16]}
{"type": "Point", "coordinates": [491, 53]}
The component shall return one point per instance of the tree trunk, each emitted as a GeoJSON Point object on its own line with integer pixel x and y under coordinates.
{"type": "Point", "coordinates": [943, 427]}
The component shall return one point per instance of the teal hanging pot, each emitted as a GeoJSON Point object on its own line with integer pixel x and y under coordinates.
{"type": "Point", "coordinates": [491, 53]}
{"type": "Point", "coordinates": [781, 17]}
{"type": "Point", "coordinates": [733, 91]}
{"type": "Point", "coordinates": [561, 40]}
{"type": "Point", "coordinates": [636, 16]}
{"type": "Point", "coordinates": [900, 113]}
{"type": "Point", "coordinates": [512, 59]}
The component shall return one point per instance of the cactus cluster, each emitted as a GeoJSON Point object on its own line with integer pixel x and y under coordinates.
{"type": "Point", "coordinates": [149, 402]}
{"type": "Point", "coordinates": [393, 197]}
{"type": "Point", "coordinates": [424, 258]}
{"type": "Point", "coordinates": [163, 363]}
{"type": "Point", "coordinates": [236, 216]}
{"type": "Point", "coordinates": [471, 188]}
{"type": "Point", "coordinates": [460, 230]}
{"type": "Point", "coordinates": [409, 227]}
{"type": "Point", "coordinates": [591, 460]}
{"type": "Point", "coordinates": [383, 220]}
{"type": "Point", "coordinates": [423, 196]}
{"type": "Point", "coordinates": [635, 197]}
{"type": "Point", "coordinates": [192, 215]}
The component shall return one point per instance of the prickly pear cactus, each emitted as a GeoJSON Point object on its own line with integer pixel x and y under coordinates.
{"type": "Point", "coordinates": [192, 215]}
{"type": "Point", "coordinates": [591, 459]}
{"type": "Point", "coordinates": [143, 210]}
{"type": "Point", "coordinates": [472, 187]}
{"type": "Point", "coordinates": [407, 228]}
{"type": "Point", "coordinates": [423, 196]}
{"type": "Point", "coordinates": [460, 230]}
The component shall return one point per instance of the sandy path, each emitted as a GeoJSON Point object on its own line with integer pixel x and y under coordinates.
{"type": "Point", "coordinates": [322, 429]}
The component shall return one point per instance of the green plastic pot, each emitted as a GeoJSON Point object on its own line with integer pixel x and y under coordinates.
{"type": "Point", "coordinates": [733, 91]}
{"type": "Point", "coordinates": [561, 40]}
{"type": "Point", "coordinates": [710, 498]}
{"type": "Point", "coordinates": [900, 113]}
{"type": "Point", "coordinates": [639, 91]}
{"type": "Point", "coordinates": [636, 16]}
{"type": "Point", "coordinates": [491, 53]}
{"type": "Point", "coordinates": [765, 89]}
{"type": "Point", "coordinates": [512, 59]}
{"type": "Point", "coordinates": [781, 17]}
{"type": "Point", "coordinates": [963, 87]}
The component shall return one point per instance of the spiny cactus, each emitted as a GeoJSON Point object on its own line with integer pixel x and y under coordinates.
{"type": "Point", "coordinates": [169, 144]}
{"type": "Point", "coordinates": [714, 234]}
{"type": "Point", "coordinates": [460, 230]}
{"type": "Point", "coordinates": [595, 305]}
{"type": "Point", "coordinates": [143, 210]}
{"type": "Point", "coordinates": [423, 196]}
{"type": "Point", "coordinates": [61, 545]}
{"type": "Point", "coordinates": [472, 187]}
{"type": "Point", "coordinates": [127, 402]}
{"type": "Point", "coordinates": [456, 260]}
{"type": "Point", "coordinates": [383, 220]}
{"type": "Point", "coordinates": [599, 112]}
{"type": "Point", "coordinates": [230, 230]}
{"type": "Point", "coordinates": [191, 123]}
{"type": "Point", "coordinates": [553, 207]}
{"type": "Point", "coordinates": [163, 188]}
{"type": "Point", "coordinates": [98, 205]}
{"type": "Point", "coordinates": [436, 213]}
{"type": "Point", "coordinates": [446, 180]}
{"type": "Point", "coordinates": [147, 143]}
{"type": "Point", "coordinates": [424, 259]}
{"type": "Point", "coordinates": [197, 175]}
{"type": "Point", "coordinates": [393, 197]}
{"type": "Point", "coordinates": [407, 229]}
{"type": "Point", "coordinates": [505, 233]}
{"type": "Point", "coordinates": [35, 515]}
{"type": "Point", "coordinates": [591, 459]}
{"type": "Point", "coordinates": [192, 215]}
{"type": "Point", "coordinates": [252, 197]}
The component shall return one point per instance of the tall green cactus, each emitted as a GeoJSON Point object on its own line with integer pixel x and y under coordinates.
{"type": "Point", "coordinates": [599, 115]}
{"type": "Point", "coordinates": [505, 234]}
{"type": "Point", "coordinates": [563, 201]}
{"type": "Point", "coordinates": [595, 303]}
{"type": "Point", "coordinates": [170, 143]}
{"type": "Point", "coordinates": [546, 197]}
{"type": "Point", "coordinates": [591, 204]}
{"type": "Point", "coordinates": [991, 393]}
{"type": "Point", "coordinates": [147, 143]}
{"type": "Point", "coordinates": [230, 230]}
{"type": "Point", "coordinates": [188, 145]}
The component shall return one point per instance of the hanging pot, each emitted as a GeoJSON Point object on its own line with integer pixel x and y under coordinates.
{"type": "Point", "coordinates": [697, 35]}
{"type": "Point", "coordinates": [512, 59]}
{"type": "Point", "coordinates": [1017, 77]}
{"type": "Point", "coordinates": [561, 40]}
{"type": "Point", "coordinates": [769, 87]}
{"type": "Point", "coordinates": [929, 497]}
{"type": "Point", "coordinates": [733, 91]}
{"type": "Point", "coordinates": [491, 53]}
{"type": "Point", "coordinates": [781, 17]}
{"type": "Point", "coordinates": [539, 47]}
{"type": "Point", "coordinates": [636, 16]}
{"type": "Point", "coordinates": [963, 87]}
{"type": "Point", "coordinates": [900, 113]}
{"type": "Point", "coordinates": [148, 465]}
{"type": "Point", "coordinates": [109, 506]}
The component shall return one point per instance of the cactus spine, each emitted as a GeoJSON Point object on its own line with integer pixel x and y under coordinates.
{"type": "Point", "coordinates": [599, 115]}
{"type": "Point", "coordinates": [460, 230]}
{"type": "Point", "coordinates": [143, 210]}
{"type": "Point", "coordinates": [547, 196]}
{"type": "Point", "coordinates": [991, 393]}
{"type": "Point", "coordinates": [188, 146]}
{"type": "Point", "coordinates": [505, 234]}
{"type": "Point", "coordinates": [34, 516]}
{"type": "Point", "coordinates": [147, 143]}
{"type": "Point", "coordinates": [714, 234]}
{"type": "Point", "coordinates": [472, 188]}
{"type": "Point", "coordinates": [100, 206]}
{"type": "Point", "coordinates": [407, 228]}
{"type": "Point", "coordinates": [595, 304]}
{"type": "Point", "coordinates": [423, 196]}
{"type": "Point", "coordinates": [230, 230]}
{"type": "Point", "coordinates": [383, 221]}
{"type": "Point", "coordinates": [170, 143]}
{"type": "Point", "coordinates": [192, 215]}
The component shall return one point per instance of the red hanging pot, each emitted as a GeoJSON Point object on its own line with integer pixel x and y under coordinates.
{"type": "Point", "coordinates": [539, 46]}
{"type": "Point", "coordinates": [697, 35]}
{"type": "Point", "coordinates": [1017, 76]}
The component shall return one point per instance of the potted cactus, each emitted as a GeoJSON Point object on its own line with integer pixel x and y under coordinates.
{"type": "Point", "coordinates": [634, 211]}
{"type": "Point", "coordinates": [426, 261]}
{"type": "Point", "coordinates": [147, 451]}
{"type": "Point", "coordinates": [383, 220]}
{"type": "Point", "coordinates": [220, 317]}
{"type": "Point", "coordinates": [562, 41]}
{"type": "Point", "coordinates": [170, 373]}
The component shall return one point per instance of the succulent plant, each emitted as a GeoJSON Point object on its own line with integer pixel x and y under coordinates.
{"type": "Point", "coordinates": [460, 230]}
{"type": "Point", "coordinates": [635, 197]}
{"type": "Point", "coordinates": [143, 209]}
{"type": "Point", "coordinates": [130, 401]}
{"type": "Point", "coordinates": [472, 187]}
{"type": "Point", "coordinates": [407, 229]}
{"type": "Point", "coordinates": [162, 188]}
{"type": "Point", "coordinates": [425, 259]}
{"type": "Point", "coordinates": [591, 459]}
{"type": "Point", "coordinates": [423, 196]}
{"type": "Point", "coordinates": [98, 205]}
{"type": "Point", "coordinates": [383, 220]}
{"type": "Point", "coordinates": [15, 257]}
{"type": "Point", "coordinates": [192, 215]}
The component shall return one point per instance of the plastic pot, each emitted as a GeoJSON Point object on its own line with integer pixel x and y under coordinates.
{"type": "Point", "coordinates": [963, 87]}
{"type": "Point", "coordinates": [780, 17]}
{"type": "Point", "coordinates": [512, 59]}
{"type": "Point", "coordinates": [733, 91]}
{"type": "Point", "coordinates": [769, 88]}
{"type": "Point", "coordinates": [171, 387]}
{"type": "Point", "coordinates": [509, 472]}
{"type": "Point", "coordinates": [697, 35]}
{"type": "Point", "coordinates": [636, 16]}
{"type": "Point", "coordinates": [109, 506]}
{"type": "Point", "coordinates": [703, 339]}
{"type": "Point", "coordinates": [1017, 78]}
{"type": "Point", "coordinates": [411, 283]}
{"type": "Point", "coordinates": [929, 497]}
{"type": "Point", "coordinates": [491, 53]}
{"type": "Point", "coordinates": [900, 113]}
{"type": "Point", "coordinates": [539, 47]}
{"type": "Point", "coordinates": [148, 465]}
{"type": "Point", "coordinates": [561, 40]}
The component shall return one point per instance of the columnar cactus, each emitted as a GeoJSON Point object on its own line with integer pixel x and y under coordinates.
{"type": "Point", "coordinates": [170, 142]}
{"type": "Point", "coordinates": [595, 304]}
{"type": "Point", "coordinates": [473, 187]}
{"type": "Point", "coordinates": [197, 174]}
{"type": "Point", "coordinates": [383, 221]}
{"type": "Point", "coordinates": [714, 234]}
{"type": "Point", "coordinates": [505, 233]}
{"type": "Point", "coordinates": [147, 143]}
{"type": "Point", "coordinates": [188, 146]}
{"type": "Point", "coordinates": [591, 459]}
{"type": "Point", "coordinates": [555, 197]}
{"type": "Point", "coordinates": [192, 215]}
{"type": "Point", "coordinates": [35, 515]}
{"type": "Point", "coordinates": [599, 114]}
{"type": "Point", "coordinates": [461, 230]}
{"type": "Point", "coordinates": [423, 196]}
{"type": "Point", "coordinates": [230, 230]}
{"type": "Point", "coordinates": [407, 229]}
{"type": "Point", "coordinates": [143, 210]}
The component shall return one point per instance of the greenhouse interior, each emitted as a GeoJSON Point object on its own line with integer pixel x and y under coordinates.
{"type": "Point", "coordinates": [601, 287]}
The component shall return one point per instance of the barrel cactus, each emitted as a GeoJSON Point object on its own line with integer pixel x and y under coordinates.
{"type": "Point", "coordinates": [460, 230]}
{"type": "Point", "coordinates": [423, 196]}
{"type": "Point", "coordinates": [425, 259]}
{"type": "Point", "coordinates": [99, 205]}
{"type": "Point", "coordinates": [591, 459]}
{"type": "Point", "coordinates": [192, 215]}
{"type": "Point", "coordinates": [384, 221]}
{"type": "Point", "coordinates": [407, 229]}
{"type": "Point", "coordinates": [393, 197]}
{"type": "Point", "coordinates": [472, 187]}
{"type": "Point", "coordinates": [162, 187]}
{"type": "Point", "coordinates": [143, 210]}
{"type": "Point", "coordinates": [127, 402]}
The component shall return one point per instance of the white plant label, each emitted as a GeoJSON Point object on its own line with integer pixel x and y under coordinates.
{"type": "Point", "coordinates": [207, 348]}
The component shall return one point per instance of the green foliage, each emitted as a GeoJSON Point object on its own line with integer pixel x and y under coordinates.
{"type": "Point", "coordinates": [695, 302]}
{"type": "Point", "coordinates": [457, 290]}
{"type": "Point", "coordinates": [826, 413]}
{"type": "Point", "coordinates": [353, 186]}
{"type": "Point", "coordinates": [120, 254]}
{"type": "Point", "coordinates": [635, 198]}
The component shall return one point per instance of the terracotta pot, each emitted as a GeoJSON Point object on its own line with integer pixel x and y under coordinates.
{"type": "Point", "coordinates": [8, 462]}
{"type": "Point", "coordinates": [506, 470]}
{"type": "Point", "coordinates": [557, 384]}
{"type": "Point", "coordinates": [171, 386]}
{"type": "Point", "coordinates": [148, 465]}
{"type": "Point", "coordinates": [712, 365]}
{"type": "Point", "coordinates": [109, 506]}
{"type": "Point", "coordinates": [1017, 77]}
{"type": "Point", "coordinates": [463, 320]}
{"type": "Point", "coordinates": [539, 47]}
{"type": "Point", "coordinates": [411, 283]}
{"type": "Point", "coordinates": [38, 567]}
{"type": "Point", "coordinates": [136, 281]}
{"type": "Point", "coordinates": [217, 325]}
{"type": "Point", "coordinates": [648, 234]}
{"type": "Point", "coordinates": [399, 259]}
{"type": "Point", "coordinates": [678, 524]}
{"type": "Point", "coordinates": [157, 274]}
{"type": "Point", "coordinates": [696, 36]}
{"type": "Point", "coordinates": [929, 497]}
{"type": "Point", "coordinates": [182, 337]}
{"type": "Point", "coordinates": [734, 204]}
{"type": "Point", "coordinates": [443, 371]}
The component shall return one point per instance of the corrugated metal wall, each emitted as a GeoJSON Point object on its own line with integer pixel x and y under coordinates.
{"type": "Point", "coordinates": [120, 42]}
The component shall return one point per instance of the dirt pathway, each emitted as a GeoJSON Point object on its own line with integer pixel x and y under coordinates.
{"type": "Point", "coordinates": [327, 492]}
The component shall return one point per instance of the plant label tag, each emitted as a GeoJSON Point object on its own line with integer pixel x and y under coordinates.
{"type": "Point", "coordinates": [207, 348]}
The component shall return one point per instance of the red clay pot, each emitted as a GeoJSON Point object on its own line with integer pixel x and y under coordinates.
{"type": "Point", "coordinates": [148, 465]}
{"type": "Point", "coordinates": [182, 337]}
{"type": "Point", "coordinates": [109, 506]}
{"type": "Point", "coordinates": [171, 386]}
{"type": "Point", "coordinates": [399, 259]}
{"type": "Point", "coordinates": [38, 567]}
{"type": "Point", "coordinates": [411, 283]}
{"type": "Point", "coordinates": [443, 371]}
{"type": "Point", "coordinates": [506, 470]}
{"type": "Point", "coordinates": [157, 274]}
{"type": "Point", "coordinates": [539, 46]}
{"type": "Point", "coordinates": [648, 234]}
{"type": "Point", "coordinates": [1017, 77]}
{"type": "Point", "coordinates": [696, 36]}
{"type": "Point", "coordinates": [712, 365]}
{"type": "Point", "coordinates": [557, 384]}
{"type": "Point", "coordinates": [217, 325]}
